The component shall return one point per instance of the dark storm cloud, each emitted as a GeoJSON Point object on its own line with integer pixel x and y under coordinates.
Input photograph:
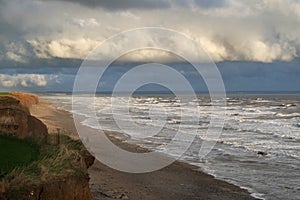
{"type": "Point", "coordinates": [39, 33]}
{"type": "Point", "coordinates": [121, 4]}
{"type": "Point", "coordinates": [211, 3]}
{"type": "Point", "coordinates": [202, 3]}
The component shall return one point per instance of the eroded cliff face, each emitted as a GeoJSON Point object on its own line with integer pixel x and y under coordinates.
{"type": "Point", "coordinates": [68, 188]}
{"type": "Point", "coordinates": [71, 185]}
{"type": "Point", "coordinates": [15, 118]}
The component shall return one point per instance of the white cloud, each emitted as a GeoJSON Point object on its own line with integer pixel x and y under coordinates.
{"type": "Point", "coordinates": [25, 80]}
{"type": "Point", "coordinates": [63, 48]}
{"type": "Point", "coordinates": [14, 57]}
{"type": "Point", "coordinates": [261, 51]}
{"type": "Point", "coordinates": [249, 30]}
{"type": "Point", "coordinates": [90, 22]}
{"type": "Point", "coordinates": [15, 52]}
{"type": "Point", "coordinates": [128, 14]}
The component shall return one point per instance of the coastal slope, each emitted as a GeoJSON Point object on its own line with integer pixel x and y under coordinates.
{"type": "Point", "coordinates": [57, 172]}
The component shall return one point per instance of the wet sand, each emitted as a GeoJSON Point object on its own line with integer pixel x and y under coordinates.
{"type": "Point", "coordinates": [177, 181]}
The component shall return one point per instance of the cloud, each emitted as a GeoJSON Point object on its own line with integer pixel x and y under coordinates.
{"type": "Point", "coordinates": [237, 76]}
{"type": "Point", "coordinates": [15, 52]}
{"type": "Point", "coordinates": [90, 22]}
{"type": "Point", "coordinates": [51, 32]}
{"type": "Point", "coordinates": [24, 80]}
{"type": "Point", "coordinates": [204, 4]}
{"type": "Point", "coordinates": [211, 3]}
{"type": "Point", "coordinates": [121, 4]}
{"type": "Point", "coordinates": [63, 48]}
{"type": "Point", "coordinates": [14, 57]}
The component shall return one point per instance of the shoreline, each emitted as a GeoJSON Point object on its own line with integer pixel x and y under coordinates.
{"type": "Point", "coordinates": [179, 180]}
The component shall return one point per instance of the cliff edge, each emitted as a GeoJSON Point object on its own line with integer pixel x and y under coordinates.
{"type": "Point", "coordinates": [59, 172]}
{"type": "Point", "coordinates": [15, 118]}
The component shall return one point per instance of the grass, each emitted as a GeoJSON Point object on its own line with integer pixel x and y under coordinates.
{"type": "Point", "coordinates": [4, 93]}
{"type": "Point", "coordinates": [15, 153]}
{"type": "Point", "coordinates": [53, 160]}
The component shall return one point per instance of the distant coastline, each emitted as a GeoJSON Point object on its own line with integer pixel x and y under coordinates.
{"type": "Point", "coordinates": [170, 93]}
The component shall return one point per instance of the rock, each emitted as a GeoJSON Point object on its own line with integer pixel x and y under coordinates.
{"type": "Point", "coordinates": [261, 153]}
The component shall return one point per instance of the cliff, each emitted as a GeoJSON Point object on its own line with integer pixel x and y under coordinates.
{"type": "Point", "coordinates": [15, 117]}
{"type": "Point", "coordinates": [69, 188]}
{"type": "Point", "coordinates": [59, 173]}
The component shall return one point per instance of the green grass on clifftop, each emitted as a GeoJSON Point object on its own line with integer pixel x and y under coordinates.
{"type": "Point", "coordinates": [51, 159]}
{"type": "Point", "coordinates": [15, 153]}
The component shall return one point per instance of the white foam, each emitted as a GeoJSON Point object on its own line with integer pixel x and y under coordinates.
{"type": "Point", "coordinates": [248, 129]}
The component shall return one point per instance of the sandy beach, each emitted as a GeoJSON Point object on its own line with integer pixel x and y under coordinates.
{"type": "Point", "coordinates": [177, 181]}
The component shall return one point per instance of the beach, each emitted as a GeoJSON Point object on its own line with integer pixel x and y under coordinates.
{"type": "Point", "coordinates": [176, 181]}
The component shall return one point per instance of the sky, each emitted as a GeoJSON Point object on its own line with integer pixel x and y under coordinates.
{"type": "Point", "coordinates": [254, 43]}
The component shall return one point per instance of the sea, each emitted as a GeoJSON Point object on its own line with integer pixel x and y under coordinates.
{"type": "Point", "coordinates": [258, 149]}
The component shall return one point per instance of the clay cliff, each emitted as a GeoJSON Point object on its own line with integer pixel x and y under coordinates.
{"type": "Point", "coordinates": [68, 188]}
{"type": "Point", "coordinates": [15, 117]}
{"type": "Point", "coordinates": [61, 171]}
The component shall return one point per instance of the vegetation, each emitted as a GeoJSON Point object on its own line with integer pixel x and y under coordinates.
{"type": "Point", "coordinates": [15, 153]}
{"type": "Point", "coordinates": [4, 93]}
{"type": "Point", "coordinates": [47, 159]}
